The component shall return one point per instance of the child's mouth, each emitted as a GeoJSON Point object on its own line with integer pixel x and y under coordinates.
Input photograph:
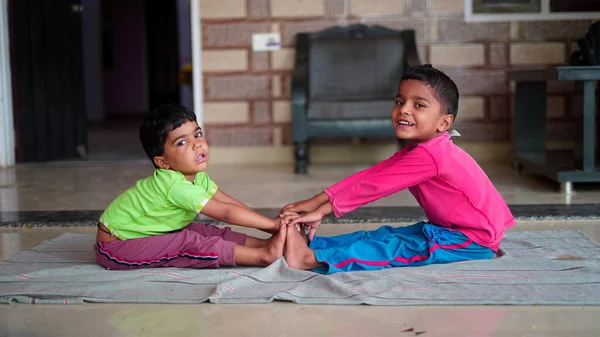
{"type": "Point", "coordinates": [201, 158]}
{"type": "Point", "coordinates": [404, 124]}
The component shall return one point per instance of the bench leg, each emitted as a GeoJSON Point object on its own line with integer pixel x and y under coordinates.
{"type": "Point", "coordinates": [566, 187]}
{"type": "Point", "coordinates": [301, 154]}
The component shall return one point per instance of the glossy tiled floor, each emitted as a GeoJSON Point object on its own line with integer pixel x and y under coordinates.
{"type": "Point", "coordinates": [47, 187]}
{"type": "Point", "coordinates": [93, 187]}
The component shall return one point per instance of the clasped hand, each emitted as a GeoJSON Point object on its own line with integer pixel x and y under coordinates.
{"type": "Point", "coordinates": [310, 221]}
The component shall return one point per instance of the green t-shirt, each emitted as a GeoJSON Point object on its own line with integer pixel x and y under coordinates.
{"type": "Point", "coordinates": [161, 203]}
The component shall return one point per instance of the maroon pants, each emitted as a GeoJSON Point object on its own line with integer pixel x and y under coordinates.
{"type": "Point", "coordinates": [196, 246]}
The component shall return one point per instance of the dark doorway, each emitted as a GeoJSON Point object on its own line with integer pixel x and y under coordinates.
{"type": "Point", "coordinates": [48, 79]}
{"type": "Point", "coordinates": [140, 55]}
{"type": "Point", "coordinates": [140, 71]}
{"type": "Point", "coordinates": [131, 67]}
{"type": "Point", "coordinates": [163, 55]}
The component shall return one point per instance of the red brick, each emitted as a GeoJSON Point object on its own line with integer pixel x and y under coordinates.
{"type": "Point", "coordinates": [290, 29]}
{"type": "Point", "coordinates": [520, 67]}
{"type": "Point", "coordinates": [335, 8]}
{"type": "Point", "coordinates": [286, 86]}
{"type": "Point", "coordinates": [238, 87]}
{"type": "Point", "coordinates": [419, 25]}
{"type": "Point", "coordinates": [232, 34]}
{"type": "Point", "coordinates": [458, 30]}
{"type": "Point", "coordinates": [482, 82]}
{"type": "Point", "coordinates": [260, 61]}
{"type": "Point", "coordinates": [498, 54]}
{"type": "Point", "coordinates": [575, 106]}
{"type": "Point", "coordinates": [239, 136]}
{"type": "Point", "coordinates": [499, 108]}
{"type": "Point", "coordinates": [261, 112]}
{"type": "Point", "coordinates": [483, 132]}
{"type": "Point", "coordinates": [286, 132]}
{"type": "Point", "coordinates": [573, 47]}
{"type": "Point", "coordinates": [258, 8]}
{"type": "Point", "coordinates": [560, 131]}
{"type": "Point", "coordinates": [560, 87]}
{"type": "Point", "coordinates": [553, 30]}
{"type": "Point", "coordinates": [416, 7]}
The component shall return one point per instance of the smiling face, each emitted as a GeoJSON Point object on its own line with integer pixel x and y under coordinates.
{"type": "Point", "coordinates": [418, 115]}
{"type": "Point", "coordinates": [186, 151]}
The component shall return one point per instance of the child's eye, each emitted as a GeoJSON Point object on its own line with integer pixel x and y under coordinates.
{"type": "Point", "coordinates": [198, 134]}
{"type": "Point", "coordinates": [419, 105]}
{"type": "Point", "coordinates": [181, 143]}
{"type": "Point", "coordinates": [399, 103]}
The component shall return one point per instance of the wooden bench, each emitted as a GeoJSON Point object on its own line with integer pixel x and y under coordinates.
{"type": "Point", "coordinates": [344, 83]}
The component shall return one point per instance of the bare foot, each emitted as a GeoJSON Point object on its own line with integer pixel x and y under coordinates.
{"type": "Point", "coordinates": [297, 254]}
{"type": "Point", "coordinates": [274, 248]}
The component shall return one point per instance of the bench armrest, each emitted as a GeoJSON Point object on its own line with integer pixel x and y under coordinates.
{"type": "Point", "coordinates": [300, 89]}
{"type": "Point", "coordinates": [300, 75]}
{"type": "Point", "coordinates": [411, 55]}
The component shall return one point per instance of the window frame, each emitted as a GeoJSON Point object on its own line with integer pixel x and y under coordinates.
{"type": "Point", "coordinates": [543, 15]}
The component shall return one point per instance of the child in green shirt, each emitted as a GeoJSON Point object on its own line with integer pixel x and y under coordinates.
{"type": "Point", "coordinates": [149, 225]}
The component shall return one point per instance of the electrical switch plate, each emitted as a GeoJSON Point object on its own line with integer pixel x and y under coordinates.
{"type": "Point", "coordinates": [266, 41]}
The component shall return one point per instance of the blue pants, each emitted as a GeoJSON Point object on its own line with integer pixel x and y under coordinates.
{"type": "Point", "coordinates": [387, 247]}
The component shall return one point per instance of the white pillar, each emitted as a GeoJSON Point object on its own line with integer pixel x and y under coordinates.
{"type": "Point", "coordinates": [197, 59]}
{"type": "Point", "coordinates": [9, 194]}
{"type": "Point", "coordinates": [9, 205]}
{"type": "Point", "coordinates": [7, 131]}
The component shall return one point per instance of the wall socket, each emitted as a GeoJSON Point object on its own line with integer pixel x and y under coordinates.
{"type": "Point", "coordinates": [266, 41]}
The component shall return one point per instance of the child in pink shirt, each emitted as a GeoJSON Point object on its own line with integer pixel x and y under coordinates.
{"type": "Point", "coordinates": [466, 215]}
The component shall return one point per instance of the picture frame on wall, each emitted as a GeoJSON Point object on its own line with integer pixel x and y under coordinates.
{"type": "Point", "coordinates": [506, 6]}
{"type": "Point", "coordinates": [531, 10]}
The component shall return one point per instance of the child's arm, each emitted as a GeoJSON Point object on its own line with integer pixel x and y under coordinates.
{"type": "Point", "coordinates": [239, 215]}
{"type": "Point", "coordinates": [224, 197]}
{"type": "Point", "coordinates": [360, 175]}
{"type": "Point", "coordinates": [313, 203]}
{"type": "Point", "coordinates": [307, 205]}
{"type": "Point", "coordinates": [411, 169]}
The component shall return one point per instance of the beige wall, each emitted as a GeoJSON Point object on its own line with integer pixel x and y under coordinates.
{"type": "Point", "coordinates": [247, 93]}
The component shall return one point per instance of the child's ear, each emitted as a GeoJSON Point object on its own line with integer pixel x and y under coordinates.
{"type": "Point", "coordinates": [161, 162]}
{"type": "Point", "coordinates": [446, 123]}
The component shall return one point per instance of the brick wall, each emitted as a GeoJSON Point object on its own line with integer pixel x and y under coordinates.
{"type": "Point", "coordinates": [247, 93]}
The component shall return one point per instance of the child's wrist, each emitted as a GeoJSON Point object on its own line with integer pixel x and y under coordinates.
{"type": "Point", "coordinates": [276, 224]}
{"type": "Point", "coordinates": [321, 198]}
{"type": "Point", "coordinates": [324, 209]}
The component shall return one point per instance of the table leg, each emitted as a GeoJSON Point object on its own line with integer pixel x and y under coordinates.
{"type": "Point", "coordinates": [585, 151]}
{"type": "Point", "coordinates": [530, 119]}
{"type": "Point", "coordinates": [566, 187]}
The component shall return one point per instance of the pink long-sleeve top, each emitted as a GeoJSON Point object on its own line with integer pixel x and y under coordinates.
{"type": "Point", "coordinates": [449, 185]}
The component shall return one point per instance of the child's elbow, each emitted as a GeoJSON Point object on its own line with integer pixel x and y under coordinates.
{"type": "Point", "coordinates": [226, 214]}
{"type": "Point", "coordinates": [218, 210]}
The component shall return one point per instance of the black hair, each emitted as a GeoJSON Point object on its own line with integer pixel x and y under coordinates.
{"type": "Point", "coordinates": [444, 88]}
{"type": "Point", "coordinates": [157, 125]}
